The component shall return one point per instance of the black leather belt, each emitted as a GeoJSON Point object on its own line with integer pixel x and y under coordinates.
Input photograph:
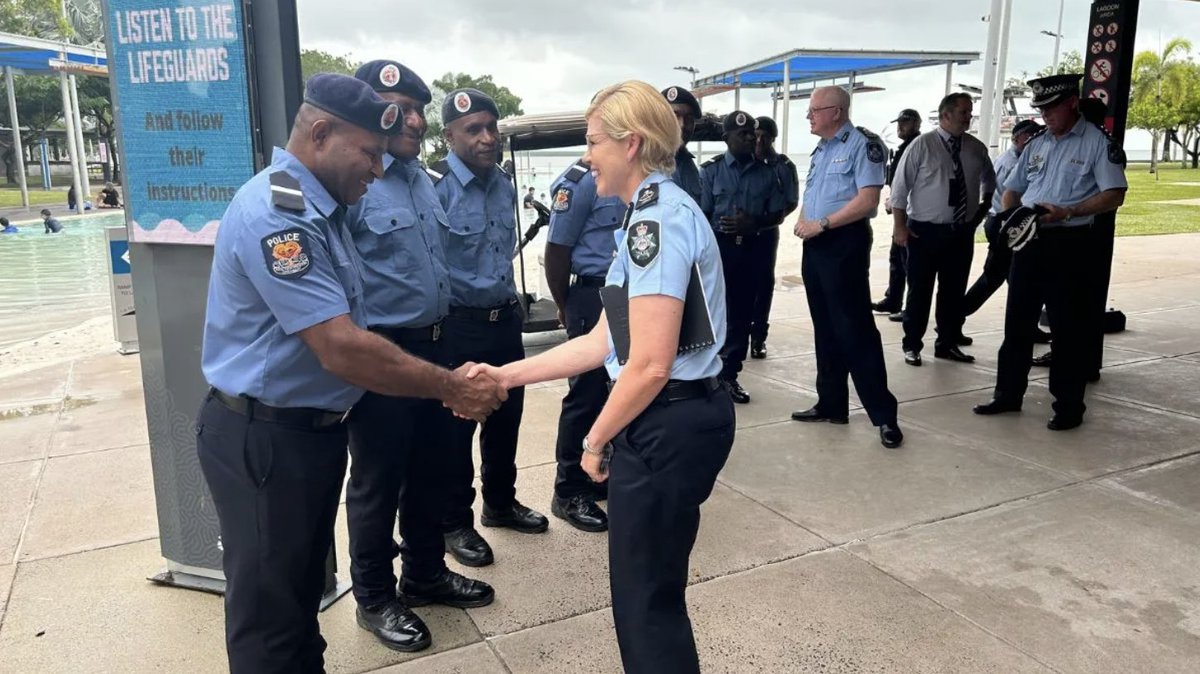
{"type": "Point", "coordinates": [679, 389]}
{"type": "Point", "coordinates": [429, 333]}
{"type": "Point", "coordinates": [293, 416]}
{"type": "Point", "coordinates": [589, 281]}
{"type": "Point", "coordinates": [493, 315]}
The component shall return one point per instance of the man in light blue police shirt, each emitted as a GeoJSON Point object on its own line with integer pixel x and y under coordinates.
{"type": "Point", "coordinates": [485, 319]}
{"type": "Point", "coordinates": [400, 445]}
{"type": "Point", "coordinates": [1074, 172]}
{"type": "Point", "coordinates": [286, 356]}
{"type": "Point", "coordinates": [841, 195]}
{"type": "Point", "coordinates": [579, 251]}
{"type": "Point", "coordinates": [737, 194]}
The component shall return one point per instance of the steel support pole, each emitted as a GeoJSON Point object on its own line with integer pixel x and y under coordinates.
{"type": "Point", "coordinates": [84, 181]}
{"type": "Point", "coordinates": [787, 105]}
{"type": "Point", "coordinates": [18, 151]}
{"type": "Point", "coordinates": [949, 77]}
{"type": "Point", "coordinates": [737, 92]}
{"type": "Point", "coordinates": [989, 72]}
{"type": "Point", "coordinates": [1001, 79]}
{"type": "Point", "coordinates": [69, 123]}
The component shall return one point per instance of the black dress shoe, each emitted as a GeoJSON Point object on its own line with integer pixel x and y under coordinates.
{"type": "Point", "coordinates": [396, 626]}
{"type": "Point", "coordinates": [896, 317]}
{"type": "Point", "coordinates": [581, 512]}
{"type": "Point", "coordinates": [953, 353]}
{"type": "Point", "coordinates": [448, 589]}
{"type": "Point", "coordinates": [1041, 337]}
{"type": "Point", "coordinates": [1094, 377]}
{"type": "Point", "coordinates": [1042, 360]}
{"type": "Point", "coordinates": [1064, 422]}
{"type": "Point", "coordinates": [964, 340]}
{"type": "Point", "coordinates": [996, 407]}
{"type": "Point", "coordinates": [468, 547]}
{"type": "Point", "coordinates": [890, 435]}
{"type": "Point", "coordinates": [912, 357]}
{"type": "Point", "coordinates": [885, 307]}
{"type": "Point", "coordinates": [815, 415]}
{"type": "Point", "coordinates": [516, 517]}
{"type": "Point", "coordinates": [758, 350]}
{"type": "Point", "coordinates": [736, 392]}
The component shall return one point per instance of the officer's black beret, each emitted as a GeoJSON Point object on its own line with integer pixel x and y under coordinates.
{"type": "Point", "coordinates": [739, 120]}
{"type": "Point", "coordinates": [462, 102]}
{"type": "Point", "coordinates": [385, 75]}
{"type": "Point", "coordinates": [682, 96]}
{"type": "Point", "coordinates": [1047, 90]}
{"type": "Point", "coordinates": [767, 126]}
{"type": "Point", "coordinates": [354, 101]}
{"type": "Point", "coordinates": [1026, 126]}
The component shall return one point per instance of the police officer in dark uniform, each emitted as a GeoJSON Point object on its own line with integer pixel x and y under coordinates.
{"type": "Point", "coordinates": [687, 112]}
{"type": "Point", "coordinates": [668, 435]}
{"type": "Point", "coordinates": [485, 320]}
{"type": "Point", "coordinates": [1074, 173]}
{"type": "Point", "coordinates": [764, 247]}
{"type": "Point", "coordinates": [737, 193]}
{"type": "Point", "coordinates": [579, 250]}
{"type": "Point", "coordinates": [908, 128]}
{"type": "Point", "coordinates": [841, 195]}
{"type": "Point", "coordinates": [399, 446]}
{"type": "Point", "coordinates": [286, 354]}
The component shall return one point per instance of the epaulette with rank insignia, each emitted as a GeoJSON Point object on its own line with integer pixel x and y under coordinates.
{"type": "Point", "coordinates": [712, 160]}
{"type": "Point", "coordinates": [876, 150]}
{"type": "Point", "coordinates": [438, 170]}
{"type": "Point", "coordinates": [647, 197]}
{"type": "Point", "coordinates": [285, 192]}
{"type": "Point", "coordinates": [577, 171]}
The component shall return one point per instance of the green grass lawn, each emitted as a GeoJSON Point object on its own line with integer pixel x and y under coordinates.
{"type": "Point", "coordinates": [10, 197]}
{"type": "Point", "coordinates": [1140, 215]}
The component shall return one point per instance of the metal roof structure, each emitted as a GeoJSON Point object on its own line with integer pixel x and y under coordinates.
{"type": "Point", "coordinates": [35, 56]}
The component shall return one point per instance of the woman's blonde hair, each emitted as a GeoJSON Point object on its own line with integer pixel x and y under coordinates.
{"type": "Point", "coordinates": [634, 107]}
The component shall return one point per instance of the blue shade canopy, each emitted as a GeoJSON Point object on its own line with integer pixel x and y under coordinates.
{"type": "Point", "coordinates": [35, 56]}
{"type": "Point", "coordinates": [814, 65]}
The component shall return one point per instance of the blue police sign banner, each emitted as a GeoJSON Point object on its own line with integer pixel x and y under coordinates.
{"type": "Point", "coordinates": [179, 77]}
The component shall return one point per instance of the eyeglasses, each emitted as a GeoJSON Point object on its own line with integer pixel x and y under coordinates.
{"type": "Point", "coordinates": [812, 111]}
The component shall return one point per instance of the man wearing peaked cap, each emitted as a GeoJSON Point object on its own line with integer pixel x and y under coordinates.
{"type": "Point", "coordinates": [1074, 172]}
{"type": "Point", "coordinates": [400, 445]}
{"type": "Point", "coordinates": [485, 319]}
{"type": "Point", "coordinates": [737, 193]}
{"type": "Point", "coordinates": [286, 356]}
{"type": "Point", "coordinates": [687, 112]}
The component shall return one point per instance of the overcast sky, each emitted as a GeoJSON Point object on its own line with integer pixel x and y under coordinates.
{"type": "Point", "coordinates": [555, 55]}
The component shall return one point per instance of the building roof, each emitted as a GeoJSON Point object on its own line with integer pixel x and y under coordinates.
{"type": "Point", "coordinates": [35, 56]}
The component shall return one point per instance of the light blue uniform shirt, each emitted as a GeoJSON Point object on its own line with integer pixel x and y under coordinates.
{"type": "Point", "coordinates": [726, 185]}
{"type": "Point", "coordinates": [398, 228]}
{"type": "Point", "coordinates": [481, 237]}
{"type": "Point", "coordinates": [840, 167]}
{"type": "Point", "coordinates": [684, 240]}
{"type": "Point", "coordinates": [276, 272]}
{"type": "Point", "coordinates": [583, 221]}
{"type": "Point", "coordinates": [1003, 166]}
{"type": "Point", "coordinates": [687, 174]}
{"type": "Point", "coordinates": [1069, 170]}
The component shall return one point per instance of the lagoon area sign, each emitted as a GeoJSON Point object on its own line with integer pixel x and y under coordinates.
{"type": "Point", "coordinates": [179, 77]}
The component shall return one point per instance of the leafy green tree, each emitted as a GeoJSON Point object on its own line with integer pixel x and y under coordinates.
{"type": "Point", "coordinates": [95, 104]}
{"type": "Point", "coordinates": [1070, 63]}
{"type": "Point", "coordinates": [34, 18]}
{"type": "Point", "coordinates": [313, 61]}
{"type": "Point", "coordinates": [1158, 91]}
{"type": "Point", "coordinates": [507, 102]}
{"type": "Point", "coordinates": [39, 106]}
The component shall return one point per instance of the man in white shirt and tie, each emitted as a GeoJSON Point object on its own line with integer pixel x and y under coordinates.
{"type": "Point", "coordinates": [941, 192]}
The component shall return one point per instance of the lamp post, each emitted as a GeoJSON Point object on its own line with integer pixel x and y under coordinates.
{"type": "Point", "coordinates": [1057, 35]}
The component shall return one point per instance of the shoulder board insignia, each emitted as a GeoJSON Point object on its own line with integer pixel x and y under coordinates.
{"type": "Point", "coordinates": [438, 170]}
{"type": "Point", "coordinates": [500, 168]}
{"type": "Point", "coordinates": [285, 192]}
{"type": "Point", "coordinates": [712, 160]}
{"type": "Point", "coordinates": [643, 242]}
{"type": "Point", "coordinates": [868, 133]}
{"type": "Point", "coordinates": [1116, 154]}
{"type": "Point", "coordinates": [577, 171]}
{"type": "Point", "coordinates": [647, 197]}
{"type": "Point", "coordinates": [433, 175]}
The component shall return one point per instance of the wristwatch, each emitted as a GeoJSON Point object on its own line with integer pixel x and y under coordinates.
{"type": "Point", "coordinates": [824, 223]}
{"type": "Point", "coordinates": [606, 449]}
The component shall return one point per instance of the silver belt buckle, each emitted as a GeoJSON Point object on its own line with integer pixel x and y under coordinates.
{"type": "Point", "coordinates": [437, 331]}
{"type": "Point", "coordinates": [493, 315]}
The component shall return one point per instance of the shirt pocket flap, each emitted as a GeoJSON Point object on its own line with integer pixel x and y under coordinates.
{"type": "Point", "coordinates": [384, 223]}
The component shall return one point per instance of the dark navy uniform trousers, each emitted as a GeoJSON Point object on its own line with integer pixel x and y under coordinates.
{"type": "Point", "coordinates": [664, 465]}
{"type": "Point", "coordinates": [275, 487]}
{"type": "Point", "coordinates": [399, 449]}
{"type": "Point", "coordinates": [497, 343]}
{"type": "Point", "coordinates": [764, 249]}
{"type": "Point", "coordinates": [995, 268]}
{"type": "Point", "coordinates": [741, 281]}
{"type": "Point", "coordinates": [940, 252]}
{"type": "Point", "coordinates": [587, 395]}
{"type": "Point", "coordinates": [835, 269]}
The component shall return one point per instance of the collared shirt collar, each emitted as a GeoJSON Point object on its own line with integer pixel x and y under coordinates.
{"type": "Point", "coordinates": [462, 171]}
{"type": "Point", "coordinates": [732, 160]}
{"type": "Point", "coordinates": [1079, 128]}
{"type": "Point", "coordinates": [943, 134]}
{"type": "Point", "coordinates": [842, 135]}
{"type": "Point", "coordinates": [312, 188]}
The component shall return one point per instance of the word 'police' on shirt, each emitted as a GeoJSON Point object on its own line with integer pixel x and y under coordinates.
{"type": "Point", "coordinates": [177, 25]}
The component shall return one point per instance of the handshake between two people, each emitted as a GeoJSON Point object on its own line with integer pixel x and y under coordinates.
{"type": "Point", "coordinates": [478, 389]}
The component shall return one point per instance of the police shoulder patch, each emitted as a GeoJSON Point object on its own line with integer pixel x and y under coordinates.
{"type": "Point", "coordinates": [285, 192]}
{"type": "Point", "coordinates": [644, 241]}
{"type": "Point", "coordinates": [1116, 154]}
{"type": "Point", "coordinates": [876, 150]}
{"type": "Point", "coordinates": [286, 253]}
{"type": "Point", "coordinates": [562, 199]}
{"type": "Point", "coordinates": [647, 197]}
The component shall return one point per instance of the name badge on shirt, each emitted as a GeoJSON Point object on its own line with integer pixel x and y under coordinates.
{"type": "Point", "coordinates": [286, 254]}
{"type": "Point", "coordinates": [1036, 163]}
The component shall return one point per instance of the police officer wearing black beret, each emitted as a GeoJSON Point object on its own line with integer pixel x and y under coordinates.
{"type": "Point", "coordinates": [765, 245]}
{"type": "Point", "coordinates": [286, 356]}
{"type": "Point", "coordinates": [687, 112]}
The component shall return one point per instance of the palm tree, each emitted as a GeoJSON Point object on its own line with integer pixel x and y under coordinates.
{"type": "Point", "coordinates": [1151, 71]}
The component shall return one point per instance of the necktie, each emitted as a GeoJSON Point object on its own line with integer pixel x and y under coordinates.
{"type": "Point", "coordinates": [958, 196]}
